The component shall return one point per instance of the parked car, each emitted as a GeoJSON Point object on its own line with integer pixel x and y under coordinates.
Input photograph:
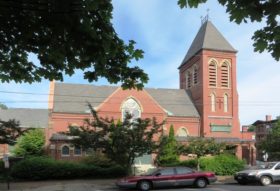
{"type": "Point", "coordinates": [265, 174]}
{"type": "Point", "coordinates": [168, 177]}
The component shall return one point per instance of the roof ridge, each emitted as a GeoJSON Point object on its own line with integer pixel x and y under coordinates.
{"type": "Point", "coordinates": [208, 37]}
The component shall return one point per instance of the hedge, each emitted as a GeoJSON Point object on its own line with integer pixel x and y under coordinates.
{"type": "Point", "coordinates": [42, 168]}
{"type": "Point", "coordinates": [188, 163]}
{"type": "Point", "coordinates": [224, 164]}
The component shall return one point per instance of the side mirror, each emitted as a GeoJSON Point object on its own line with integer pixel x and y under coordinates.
{"type": "Point", "coordinates": [277, 168]}
{"type": "Point", "coordinates": [158, 174]}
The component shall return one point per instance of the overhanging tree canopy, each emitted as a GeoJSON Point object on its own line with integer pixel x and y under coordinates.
{"type": "Point", "coordinates": [9, 131]}
{"type": "Point", "coordinates": [66, 35]}
{"type": "Point", "coordinates": [267, 38]}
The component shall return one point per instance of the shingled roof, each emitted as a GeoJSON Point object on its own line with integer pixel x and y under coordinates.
{"type": "Point", "coordinates": [176, 102]}
{"type": "Point", "coordinates": [73, 98]}
{"type": "Point", "coordinates": [35, 118]}
{"type": "Point", "coordinates": [208, 38]}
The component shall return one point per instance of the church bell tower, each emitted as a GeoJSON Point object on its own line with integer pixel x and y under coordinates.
{"type": "Point", "coordinates": [208, 73]}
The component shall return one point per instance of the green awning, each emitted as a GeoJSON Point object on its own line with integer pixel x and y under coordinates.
{"type": "Point", "coordinates": [220, 128]}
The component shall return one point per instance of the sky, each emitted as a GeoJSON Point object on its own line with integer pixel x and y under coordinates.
{"type": "Point", "coordinates": [165, 32]}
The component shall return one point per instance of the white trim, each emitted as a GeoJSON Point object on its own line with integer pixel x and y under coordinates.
{"type": "Point", "coordinates": [61, 150]}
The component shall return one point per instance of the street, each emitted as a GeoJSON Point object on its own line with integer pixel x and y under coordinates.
{"type": "Point", "coordinates": [229, 187]}
{"type": "Point", "coordinates": [109, 185]}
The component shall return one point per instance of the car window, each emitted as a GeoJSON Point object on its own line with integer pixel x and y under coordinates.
{"type": "Point", "coordinates": [167, 171]}
{"type": "Point", "coordinates": [267, 165]}
{"type": "Point", "coordinates": [277, 167]}
{"type": "Point", "coordinates": [184, 170]}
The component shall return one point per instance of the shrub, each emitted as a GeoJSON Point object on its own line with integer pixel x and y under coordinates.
{"type": "Point", "coordinates": [223, 164]}
{"type": "Point", "coordinates": [188, 163]}
{"type": "Point", "coordinates": [30, 143]}
{"type": "Point", "coordinates": [168, 153]}
{"type": "Point", "coordinates": [99, 160]}
{"type": "Point", "coordinates": [42, 168]}
{"type": "Point", "coordinates": [2, 170]}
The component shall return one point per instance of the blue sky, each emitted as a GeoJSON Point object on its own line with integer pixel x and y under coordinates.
{"type": "Point", "coordinates": [165, 32]}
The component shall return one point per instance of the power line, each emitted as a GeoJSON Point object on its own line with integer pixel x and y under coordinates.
{"type": "Point", "coordinates": [117, 97]}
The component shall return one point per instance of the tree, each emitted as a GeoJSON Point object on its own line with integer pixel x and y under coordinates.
{"type": "Point", "coordinates": [270, 145]}
{"type": "Point", "coordinates": [168, 149]}
{"type": "Point", "coordinates": [120, 141]}
{"type": "Point", "coordinates": [3, 106]}
{"type": "Point", "coordinates": [251, 128]}
{"type": "Point", "coordinates": [203, 146]}
{"type": "Point", "coordinates": [30, 143]}
{"type": "Point", "coordinates": [266, 38]}
{"type": "Point", "coordinates": [66, 36]}
{"type": "Point", "coordinates": [9, 131]}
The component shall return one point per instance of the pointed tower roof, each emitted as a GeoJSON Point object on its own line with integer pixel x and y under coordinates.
{"type": "Point", "coordinates": [209, 38]}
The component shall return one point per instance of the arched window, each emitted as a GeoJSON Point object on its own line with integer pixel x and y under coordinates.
{"type": "Point", "coordinates": [225, 103]}
{"type": "Point", "coordinates": [65, 150]}
{"type": "Point", "coordinates": [77, 150]}
{"type": "Point", "coordinates": [195, 77]}
{"type": "Point", "coordinates": [131, 107]}
{"type": "Point", "coordinates": [212, 74]}
{"type": "Point", "coordinates": [188, 80]}
{"type": "Point", "coordinates": [225, 75]}
{"type": "Point", "coordinates": [213, 102]}
{"type": "Point", "coordinates": [182, 132]}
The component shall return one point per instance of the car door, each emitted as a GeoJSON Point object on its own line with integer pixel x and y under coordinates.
{"type": "Point", "coordinates": [184, 176]}
{"type": "Point", "coordinates": [276, 172]}
{"type": "Point", "coordinates": [164, 177]}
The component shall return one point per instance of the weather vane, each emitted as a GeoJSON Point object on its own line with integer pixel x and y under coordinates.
{"type": "Point", "coordinates": [206, 18]}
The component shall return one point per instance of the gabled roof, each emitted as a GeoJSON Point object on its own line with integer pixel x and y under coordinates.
{"type": "Point", "coordinates": [176, 102]}
{"type": "Point", "coordinates": [28, 118]}
{"type": "Point", "coordinates": [73, 98]}
{"type": "Point", "coordinates": [209, 38]}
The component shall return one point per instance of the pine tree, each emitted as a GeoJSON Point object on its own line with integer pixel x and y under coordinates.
{"type": "Point", "coordinates": [168, 150]}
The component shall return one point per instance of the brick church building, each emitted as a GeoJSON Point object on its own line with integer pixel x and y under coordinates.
{"type": "Point", "coordinates": [206, 105]}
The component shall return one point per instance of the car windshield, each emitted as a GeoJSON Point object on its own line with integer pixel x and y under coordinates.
{"type": "Point", "coordinates": [266, 165]}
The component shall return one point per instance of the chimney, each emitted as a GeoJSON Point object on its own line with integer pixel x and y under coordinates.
{"type": "Point", "coordinates": [268, 118]}
{"type": "Point", "coordinates": [51, 94]}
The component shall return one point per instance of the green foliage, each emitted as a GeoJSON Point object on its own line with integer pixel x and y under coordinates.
{"type": "Point", "coordinates": [252, 128]}
{"type": "Point", "coordinates": [9, 131]}
{"type": "Point", "coordinates": [168, 149]}
{"type": "Point", "coordinates": [43, 168]}
{"type": "Point", "coordinates": [188, 163]}
{"type": "Point", "coordinates": [267, 38]}
{"type": "Point", "coordinates": [30, 143]}
{"type": "Point", "coordinates": [223, 164]}
{"type": "Point", "coordinates": [271, 144]}
{"type": "Point", "coordinates": [204, 146]}
{"type": "Point", "coordinates": [1, 166]}
{"type": "Point", "coordinates": [66, 36]}
{"type": "Point", "coordinates": [3, 106]}
{"type": "Point", "coordinates": [121, 142]}
{"type": "Point", "coordinates": [98, 159]}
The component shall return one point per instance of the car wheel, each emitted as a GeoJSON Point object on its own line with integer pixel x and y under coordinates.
{"type": "Point", "coordinates": [201, 183]}
{"type": "Point", "coordinates": [265, 180]}
{"type": "Point", "coordinates": [144, 185]}
{"type": "Point", "coordinates": [242, 182]}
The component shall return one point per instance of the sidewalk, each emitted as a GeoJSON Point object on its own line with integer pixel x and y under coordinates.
{"type": "Point", "coordinates": [61, 185]}
{"type": "Point", "coordinates": [79, 185]}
